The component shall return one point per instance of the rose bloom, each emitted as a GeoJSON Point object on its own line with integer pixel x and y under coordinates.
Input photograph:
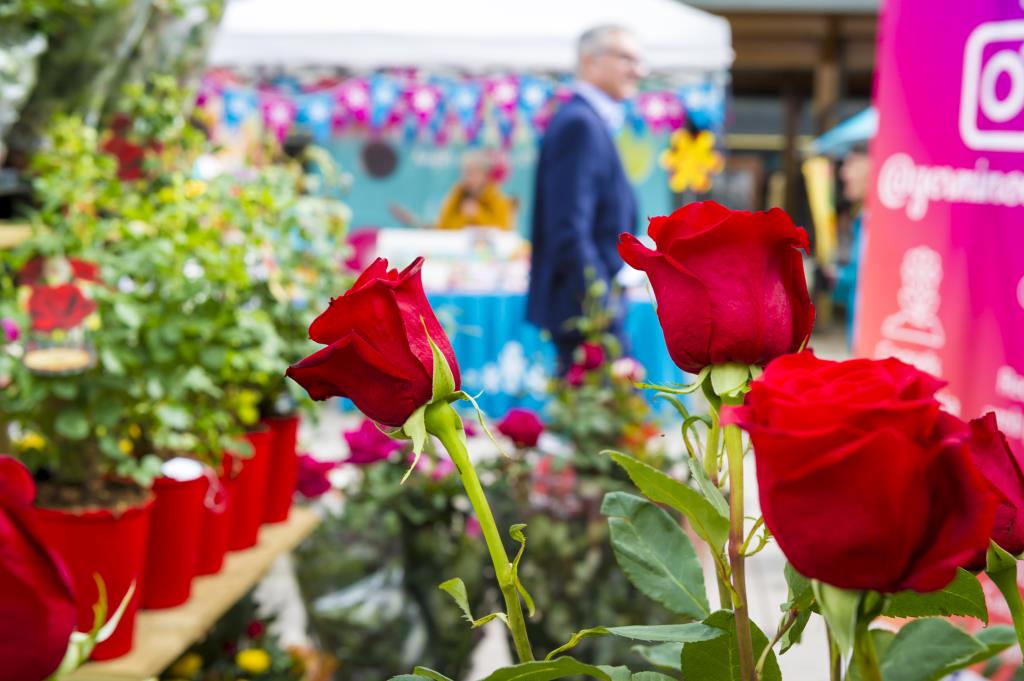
{"type": "Point", "coordinates": [522, 426]}
{"type": "Point", "coordinates": [377, 350]}
{"type": "Point", "coordinates": [864, 481]}
{"type": "Point", "coordinates": [37, 600]}
{"type": "Point", "coordinates": [729, 284]}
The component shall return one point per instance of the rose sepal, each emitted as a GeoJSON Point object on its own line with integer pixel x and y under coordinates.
{"type": "Point", "coordinates": [1001, 568]}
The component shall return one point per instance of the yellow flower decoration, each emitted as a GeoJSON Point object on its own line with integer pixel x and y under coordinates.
{"type": "Point", "coordinates": [126, 446]}
{"type": "Point", "coordinates": [253, 660]}
{"type": "Point", "coordinates": [31, 440]}
{"type": "Point", "coordinates": [691, 161]}
{"type": "Point", "coordinates": [187, 665]}
{"type": "Point", "coordinates": [194, 188]}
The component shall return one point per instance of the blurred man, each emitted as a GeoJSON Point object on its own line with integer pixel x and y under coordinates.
{"type": "Point", "coordinates": [583, 199]}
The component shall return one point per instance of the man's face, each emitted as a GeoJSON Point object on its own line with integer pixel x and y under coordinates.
{"type": "Point", "coordinates": [616, 67]}
{"type": "Point", "coordinates": [855, 173]}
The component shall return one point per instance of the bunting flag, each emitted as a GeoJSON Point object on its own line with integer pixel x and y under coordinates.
{"type": "Point", "coordinates": [511, 107]}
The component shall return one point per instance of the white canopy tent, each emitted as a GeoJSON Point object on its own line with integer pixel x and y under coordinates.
{"type": "Point", "coordinates": [477, 35]}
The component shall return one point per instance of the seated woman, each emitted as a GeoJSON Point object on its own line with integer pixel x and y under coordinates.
{"type": "Point", "coordinates": [476, 200]}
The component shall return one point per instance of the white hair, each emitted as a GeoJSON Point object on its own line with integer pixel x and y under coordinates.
{"type": "Point", "coordinates": [596, 39]}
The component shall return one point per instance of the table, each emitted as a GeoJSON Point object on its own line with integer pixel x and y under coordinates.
{"type": "Point", "coordinates": [161, 636]}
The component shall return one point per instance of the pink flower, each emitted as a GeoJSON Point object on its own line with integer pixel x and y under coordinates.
{"type": "Point", "coordinates": [367, 444]}
{"type": "Point", "coordinates": [554, 478]}
{"type": "Point", "coordinates": [473, 530]}
{"type": "Point", "coordinates": [442, 469]}
{"type": "Point", "coordinates": [312, 480]}
{"type": "Point", "coordinates": [522, 426]}
{"type": "Point", "coordinates": [10, 330]}
{"type": "Point", "coordinates": [575, 375]}
{"type": "Point", "coordinates": [628, 369]}
{"type": "Point", "coordinates": [470, 429]}
{"type": "Point", "coordinates": [255, 629]}
{"type": "Point", "coordinates": [592, 356]}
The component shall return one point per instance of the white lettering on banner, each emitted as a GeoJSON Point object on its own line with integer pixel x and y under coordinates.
{"type": "Point", "coordinates": [925, 360]}
{"type": "Point", "coordinates": [1010, 384]}
{"type": "Point", "coordinates": [1020, 284]}
{"type": "Point", "coordinates": [1009, 419]}
{"type": "Point", "coordinates": [904, 185]}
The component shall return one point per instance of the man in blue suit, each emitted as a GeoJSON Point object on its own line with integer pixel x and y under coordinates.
{"type": "Point", "coordinates": [582, 198]}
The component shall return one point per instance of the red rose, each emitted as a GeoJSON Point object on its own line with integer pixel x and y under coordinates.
{"type": "Point", "coordinates": [37, 604]}
{"type": "Point", "coordinates": [863, 480]}
{"type": "Point", "coordinates": [58, 307]}
{"type": "Point", "coordinates": [378, 353]}
{"type": "Point", "coordinates": [32, 272]}
{"type": "Point", "coordinates": [1005, 472]}
{"type": "Point", "coordinates": [311, 480]}
{"type": "Point", "coordinates": [591, 356]}
{"type": "Point", "coordinates": [522, 426]}
{"type": "Point", "coordinates": [729, 284]}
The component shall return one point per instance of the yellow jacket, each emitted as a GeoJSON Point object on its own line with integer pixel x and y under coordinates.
{"type": "Point", "coordinates": [494, 210]}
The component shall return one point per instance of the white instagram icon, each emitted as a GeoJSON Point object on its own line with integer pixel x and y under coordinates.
{"type": "Point", "coordinates": [979, 99]}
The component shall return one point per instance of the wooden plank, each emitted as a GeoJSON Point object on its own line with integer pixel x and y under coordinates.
{"type": "Point", "coordinates": [161, 636]}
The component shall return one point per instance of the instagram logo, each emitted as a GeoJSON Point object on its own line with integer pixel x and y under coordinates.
{"type": "Point", "coordinates": [992, 93]}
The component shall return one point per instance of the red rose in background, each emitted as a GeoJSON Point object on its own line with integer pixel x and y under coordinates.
{"type": "Point", "coordinates": [37, 604]}
{"type": "Point", "coordinates": [367, 444]}
{"type": "Point", "coordinates": [591, 356]}
{"type": "Point", "coordinates": [378, 353]}
{"type": "Point", "coordinates": [32, 272]}
{"type": "Point", "coordinates": [863, 480]}
{"type": "Point", "coordinates": [311, 480]}
{"type": "Point", "coordinates": [1005, 472]}
{"type": "Point", "coordinates": [58, 307]}
{"type": "Point", "coordinates": [729, 284]}
{"type": "Point", "coordinates": [522, 426]}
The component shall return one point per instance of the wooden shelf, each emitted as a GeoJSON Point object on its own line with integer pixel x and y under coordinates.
{"type": "Point", "coordinates": [161, 636]}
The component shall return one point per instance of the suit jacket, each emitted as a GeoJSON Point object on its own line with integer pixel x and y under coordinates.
{"type": "Point", "coordinates": [582, 202]}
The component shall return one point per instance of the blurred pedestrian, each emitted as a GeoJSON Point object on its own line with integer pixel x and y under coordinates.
{"type": "Point", "coordinates": [854, 175]}
{"type": "Point", "coordinates": [583, 199]}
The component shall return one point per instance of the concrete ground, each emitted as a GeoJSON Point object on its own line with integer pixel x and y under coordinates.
{"type": "Point", "coordinates": [766, 584]}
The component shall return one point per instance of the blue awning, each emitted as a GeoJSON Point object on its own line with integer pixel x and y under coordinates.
{"type": "Point", "coordinates": [856, 129]}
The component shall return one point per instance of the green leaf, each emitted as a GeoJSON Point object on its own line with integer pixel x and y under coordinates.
{"type": "Point", "coordinates": [927, 650]}
{"type": "Point", "coordinates": [795, 632]}
{"type": "Point", "coordinates": [415, 428]}
{"type": "Point", "coordinates": [963, 596]}
{"type": "Point", "coordinates": [718, 659]}
{"type": "Point", "coordinates": [548, 670]}
{"type": "Point", "coordinates": [801, 595]}
{"type": "Point", "coordinates": [174, 417]}
{"type": "Point", "coordinates": [840, 609]}
{"type": "Point", "coordinates": [656, 633]}
{"type": "Point", "coordinates": [656, 555]}
{"type": "Point", "coordinates": [444, 378]}
{"type": "Point", "coordinates": [660, 488]}
{"type": "Point", "coordinates": [662, 655]}
{"type": "Point", "coordinates": [729, 379]}
{"type": "Point", "coordinates": [517, 534]}
{"type": "Point", "coordinates": [65, 391]}
{"type": "Point", "coordinates": [615, 673]}
{"type": "Point", "coordinates": [650, 676]}
{"type": "Point", "coordinates": [456, 588]}
{"type": "Point", "coordinates": [430, 674]}
{"type": "Point", "coordinates": [72, 424]}
{"type": "Point", "coordinates": [710, 492]}
{"type": "Point", "coordinates": [681, 390]}
{"type": "Point", "coordinates": [128, 314]}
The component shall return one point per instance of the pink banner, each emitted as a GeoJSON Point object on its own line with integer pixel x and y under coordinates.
{"type": "Point", "coordinates": [942, 279]}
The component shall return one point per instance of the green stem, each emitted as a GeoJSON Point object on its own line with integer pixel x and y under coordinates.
{"type": "Point", "coordinates": [864, 656]}
{"type": "Point", "coordinates": [835, 661]}
{"type": "Point", "coordinates": [1006, 580]}
{"type": "Point", "coordinates": [711, 450]}
{"type": "Point", "coordinates": [711, 469]}
{"type": "Point", "coordinates": [734, 451]}
{"type": "Point", "coordinates": [444, 423]}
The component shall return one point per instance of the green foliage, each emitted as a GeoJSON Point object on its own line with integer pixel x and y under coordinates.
{"type": "Point", "coordinates": [718, 659]}
{"type": "Point", "coordinates": [963, 596]}
{"type": "Point", "coordinates": [656, 555]}
{"type": "Point", "coordinates": [204, 300]}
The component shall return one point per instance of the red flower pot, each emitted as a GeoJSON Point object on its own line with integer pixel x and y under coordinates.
{"type": "Point", "coordinates": [216, 527]}
{"type": "Point", "coordinates": [112, 546]}
{"type": "Point", "coordinates": [283, 467]}
{"type": "Point", "coordinates": [174, 533]}
{"type": "Point", "coordinates": [249, 491]}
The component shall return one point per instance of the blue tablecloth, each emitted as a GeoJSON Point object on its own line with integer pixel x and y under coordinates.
{"type": "Point", "coordinates": [504, 357]}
